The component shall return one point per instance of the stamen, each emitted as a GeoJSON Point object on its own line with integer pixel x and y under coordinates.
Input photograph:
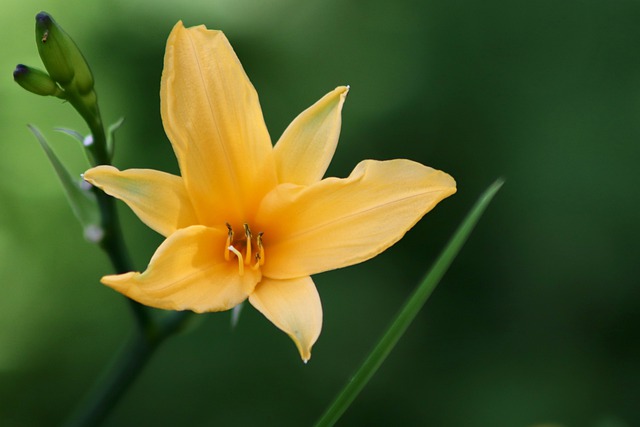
{"type": "Point", "coordinates": [260, 254]}
{"type": "Point", "coordinates": [247, 251]}
{"type": "Point", "coordinates": [229, 242]}
{"type": "Point", "coordinates": [247, 233]}
{"type": "Point", "coordinates": [239, 255]}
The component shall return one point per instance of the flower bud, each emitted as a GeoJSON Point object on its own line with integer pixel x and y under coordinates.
{"type": "Point", "coordinates": [61, 56]}
{"type": "Point", "coordinates": [36, 81]}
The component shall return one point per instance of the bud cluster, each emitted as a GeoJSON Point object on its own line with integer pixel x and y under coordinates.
{"type": "Point", "coordinates": [68, 75]}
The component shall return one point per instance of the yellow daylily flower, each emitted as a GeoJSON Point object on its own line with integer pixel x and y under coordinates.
{"type": "Point", "coordinates": [248, 220]}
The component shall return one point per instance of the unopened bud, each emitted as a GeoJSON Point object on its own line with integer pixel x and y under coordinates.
{"type": "Point", "coordinates": [61, 56]}
{"type": "Point", "coordinates": [36, 81]}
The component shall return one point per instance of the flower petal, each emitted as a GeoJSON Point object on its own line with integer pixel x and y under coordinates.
{"type": "Point", "coordinates": [159, 199]}
{"type": "Point", "coordinates": [306, 147]}
{"type": "Point", "coordinates": [294, 307]}
{"type": "Point", "coordinates": [188, 272]}
{"type": "Point", "coordinates": [341, 222]}
{"type": "Point", "coordinates": [212, 116]}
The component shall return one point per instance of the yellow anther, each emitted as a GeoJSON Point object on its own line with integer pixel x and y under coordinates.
{"type": "Point", "coordinates": [239, 255]}
{"type": "Point", "coordinates": [247, 233]}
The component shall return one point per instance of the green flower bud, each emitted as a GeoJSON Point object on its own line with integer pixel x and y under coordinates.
{"type": "Point", "coordinates": [61, 56]}
{"type": "Point", "coordinates": [36, 81]}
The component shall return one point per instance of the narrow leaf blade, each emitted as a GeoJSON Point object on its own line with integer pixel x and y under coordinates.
{"type": "Point", "coordinates": [409, 311]}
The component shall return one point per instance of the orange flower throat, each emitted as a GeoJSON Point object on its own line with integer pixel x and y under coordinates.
{"type": "Point", "coordinates": [248, 249]}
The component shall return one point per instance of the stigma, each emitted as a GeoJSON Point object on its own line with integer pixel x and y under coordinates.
{"type": "Point", "coordinates": [246, 249]}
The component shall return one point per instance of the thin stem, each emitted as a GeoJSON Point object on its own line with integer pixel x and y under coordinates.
{"type": "Point", "coordinates": [113, 244]}
{"type": "Point", "coordinates": [113, 241]}
{"type": "Point", "coordinates": [93, 119]}
{"type": "Point", "coordinates": [148, 333]}
{"type": "Point", "coordinates": [124, 370]}
{"type": "Point", "coordinates": [407, 313]}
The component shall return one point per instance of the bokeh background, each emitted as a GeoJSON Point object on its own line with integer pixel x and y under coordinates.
{"type": "Point", "coordinates": [537, 322]}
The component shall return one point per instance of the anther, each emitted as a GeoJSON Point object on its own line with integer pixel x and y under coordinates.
{"type": "Point", "coordinates": [239, 255]}
{"type": "Point", "coordinates": [229, 241]}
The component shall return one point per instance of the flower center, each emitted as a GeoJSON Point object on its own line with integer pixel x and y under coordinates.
{"type": "Point", "coordinates": [247, 248]}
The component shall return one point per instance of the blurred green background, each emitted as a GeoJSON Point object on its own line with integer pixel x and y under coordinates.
{"type": "Point", "coordinates": [536, 323]}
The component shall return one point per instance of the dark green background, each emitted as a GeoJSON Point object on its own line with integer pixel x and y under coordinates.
{"type": "Point", "coordinates": [536, 323]}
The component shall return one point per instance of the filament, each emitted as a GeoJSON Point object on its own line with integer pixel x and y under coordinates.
{"type": "Point", "coordinates": [247, 233]}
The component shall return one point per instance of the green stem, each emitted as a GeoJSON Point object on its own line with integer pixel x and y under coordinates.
{"type": "Point", "coordinates": [125, 368]}
{"type": "Point", "coordinates": [113, 241]}
{"type": "Point", "coordinates": [407, 313]}
{"type": "Point", "coordinates": [113, 244]}
{"type": "Point", "coordinates": [92, 117]}
{"type": "Point", "coordinates": [148, 333]}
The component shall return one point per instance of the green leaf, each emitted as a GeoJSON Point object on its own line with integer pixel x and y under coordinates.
{"type": "Point", "coordinates": [408, 312]}
{"type": "Point", "coordinates": [83, 202]}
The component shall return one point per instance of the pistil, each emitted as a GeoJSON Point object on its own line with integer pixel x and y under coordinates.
{"type": "Point", "coordinates": [239, 255]}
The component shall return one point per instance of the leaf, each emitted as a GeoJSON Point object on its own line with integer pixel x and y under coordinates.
{"type": "Point", "coordinates": [83, 203]}
{"type": "Point", "coordinates": [408, 312]}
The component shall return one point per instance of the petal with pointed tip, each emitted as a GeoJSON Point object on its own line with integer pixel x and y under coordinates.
{"type": "Point", "coordinates": [188, 272]}
{"type": "Point", "coordinates": [306, 147]}
{"type": "Point", "coordinates": [339, 222]}
{"type": "Point", "coordinates": [211, 113]}
{"type": "Point", "coordinates": [158, 198]}
{"type": "Point", "coordinates": [294, 307]}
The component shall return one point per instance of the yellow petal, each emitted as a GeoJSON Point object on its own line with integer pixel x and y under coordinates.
{"type": "Point", "coordinates": [188, 272]}
{"type": "Point", "coordinates": [294, 307]}
{"type": "Point", "coordinates": [159, 199]}
{"type": "Point", "coordinates": [306, 147]}
{"type": "Point", "coordinates": [212, 116]}
{"type": "Point", "coordinates": [341, 222]}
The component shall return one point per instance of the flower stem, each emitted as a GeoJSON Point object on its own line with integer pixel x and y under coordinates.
{"type": "Point", "coordinates": [68, 69]}
{"type": "Point", "coordinates": [408, 312]}
{"type": "Point", "coordinates": [147, 335]}
{"type": "Point", "coordinates": [123, 371]}
{"type": "Point", "coordinates": [148, 332]}
{"type": "Point", "coordinates": [113, 244]}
